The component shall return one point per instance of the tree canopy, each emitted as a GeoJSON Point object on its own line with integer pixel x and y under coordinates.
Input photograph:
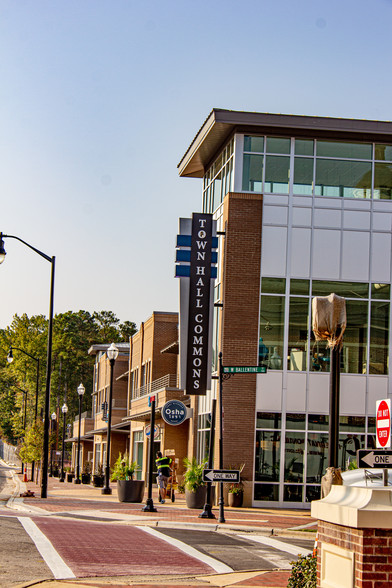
{"type": "Point", "coordinates": [73, 335]}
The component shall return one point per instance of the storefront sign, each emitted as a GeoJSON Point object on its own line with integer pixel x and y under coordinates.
{"type": "Point", "coordinates": [174, 412]}
{"type": "Point", "coordinates": [157, 431]}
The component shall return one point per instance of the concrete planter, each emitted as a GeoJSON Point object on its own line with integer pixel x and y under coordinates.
{"type": "Point", "coordinates": [198, 499]}
{"type": "Point", "coordinates": [130, 490]}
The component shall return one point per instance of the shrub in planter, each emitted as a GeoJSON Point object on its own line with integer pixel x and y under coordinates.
{"type": "Point", "coordinates": [195, 488]}
{"type": "Point", "coordinates": [303, 572]}
{"type": "Point", "coordinates": [70, 476]}
{"type": "Point", "coordinates": [236, 494]}
{"type": "Point", "coordinates": [86, 473]}
{"type": "Point", "coordinates": [98, 477]}
{"type": "Point", "coordinates": [128, 489]}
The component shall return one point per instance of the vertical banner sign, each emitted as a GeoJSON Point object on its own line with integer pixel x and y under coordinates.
{"type": "Point", "coordinates": [199, 304]}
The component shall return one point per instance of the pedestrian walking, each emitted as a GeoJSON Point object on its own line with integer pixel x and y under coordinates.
{"type": "Point", "coordinates": [163, 466]}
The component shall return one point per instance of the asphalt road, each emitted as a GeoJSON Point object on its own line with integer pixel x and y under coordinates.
{"type": "Point", "coordinates": [20, 560]}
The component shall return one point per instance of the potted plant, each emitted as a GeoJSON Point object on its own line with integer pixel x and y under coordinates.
{"type": "Point", "coordinates": [70, 474]}
{"type": "Point", "coordinates": [195, 488]}
{"type": "Point", "coordinates": [86, 473]}
{"type": "Point", "coordinates": [128, 489]}
{"type": "Point", "coordinates": [235, 494]}
{"type": "Point", "coordinates": [98, 477]}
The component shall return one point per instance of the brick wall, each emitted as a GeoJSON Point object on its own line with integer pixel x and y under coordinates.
{"type": "Point", "coordinates": [240, 325]}
{"type": "Point", "coordinates": [372, 549]}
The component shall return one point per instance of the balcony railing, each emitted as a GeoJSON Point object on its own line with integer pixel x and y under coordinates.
{"type": "Point", "coordinates": [168, 381]}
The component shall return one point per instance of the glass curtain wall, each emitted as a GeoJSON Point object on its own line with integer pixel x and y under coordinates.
{"type": "Point", "coordinates": [364, 306]}
{"type": "Point", "coordinates": [317, 167]}
{"type": "Point", "coordinates": [305, 439]}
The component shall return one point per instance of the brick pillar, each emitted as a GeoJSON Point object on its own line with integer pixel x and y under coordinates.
{"type": "Point", "coordinates": [354, 537]}
{"type": "Point", "coordinates": [372, 550]}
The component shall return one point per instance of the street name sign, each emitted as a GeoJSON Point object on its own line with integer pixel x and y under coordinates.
{"type": "Point", "coordinates": [373, 458]}
{"type": "Point", "coordinates": [245, 369]}
{"type": "Point", "coordinates": [221, 475]}
{"type": "Point", "coordinates": [383, 423]}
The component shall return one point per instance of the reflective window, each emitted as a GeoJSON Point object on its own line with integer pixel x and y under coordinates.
{"type": "Point", "coordinates": [293, 493]}
{"type": "Point", "coordinates": [266, 492]}
{"type": "Point", "coordinates": [268, 420]}
{"type": "Point", "coordinates": [383, 152]}
{"type": "Point", "coordinates": [278, 145]}
{"type": "Point", "coordinates": [381, 291]}
{"type": "Point", "coordinates": [298, 333]}
{"type": "Point", "coordinates": [303, 176]}
{"type": "Point", "coordinates": [271, 331]}
{"type": "Point", "coordinates": [294, 457]}
{"type": "Point", "coordinates": [318, 422]}
{"type": "Point", "coordinates": [299, 287]}
{"type": "Point", "coordinates": [304, 147]}
{"type": "Point", "coordinates": [344, 150]}
{"type": "Point", "coordinates": [345, 289]}
{"type": "Point", "coordinates": [254, 144]}
{"type": "Point", "coordinates": [348, 447]}
{"type": "Point", "coordinates": [354, 351]}
{"type": "Point", "coordinates": [267, 458]}
{"type": "Point", "coordinates": [313, 493]}
{"type": "Point", "coordinates": [337, 178]}
{"type": "Point", "coordinates": [352, 423]}
{"type": "Point", "coordinates": [317, 457]}
{"type": "Point", "coordinates": [252, 175]}
{"type": "Point", "coordinates": [273, 285]}
{"type": "Point", "coordinates": [277, 171]}
{"type": "Point", "coordinates": [320, 356]}
{"type": "Point", "coordinates": [295, 421]}
{"type": "Point", "coordinates": [379, 338]}
{"type": "Point", "coordinates": [383, 181]}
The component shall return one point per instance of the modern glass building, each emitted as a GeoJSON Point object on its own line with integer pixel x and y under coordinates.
{"type": "Point", "coordinates": [305, 205]}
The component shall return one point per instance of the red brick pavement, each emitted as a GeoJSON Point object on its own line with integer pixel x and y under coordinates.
{"type": "Point", "coordinates": [120, 550]}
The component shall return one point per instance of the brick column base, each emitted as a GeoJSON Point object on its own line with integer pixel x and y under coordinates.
{"type": "Point", "coordinates": [372, 553]}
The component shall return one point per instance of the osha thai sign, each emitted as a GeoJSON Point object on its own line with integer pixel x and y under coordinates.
{"type": "Point", "coordinates": [196, 269]}
{"type": "Point", "coordinates": [174, 412]}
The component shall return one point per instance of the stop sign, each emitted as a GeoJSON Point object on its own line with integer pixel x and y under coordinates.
{"type": "Point", "coordinates": [383, 423]}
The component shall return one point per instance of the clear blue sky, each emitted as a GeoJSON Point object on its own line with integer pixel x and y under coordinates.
{"type": "Point", "coordinates": [99, 100]}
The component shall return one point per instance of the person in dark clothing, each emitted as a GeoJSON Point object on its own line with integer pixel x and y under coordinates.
{"type": "Point", "coordinates": [163, 465]}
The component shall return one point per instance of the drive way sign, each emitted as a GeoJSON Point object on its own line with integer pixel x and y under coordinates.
{"type": "Point", "coordinates": [371, 458]}
{"type": "Point", "coordinates": [383, 423]}
{"type": "Point", "coordinates": [221, 475]}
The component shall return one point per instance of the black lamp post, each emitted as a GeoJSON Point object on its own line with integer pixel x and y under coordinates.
{"type": "Point", "coordinates": [52, 430]}
{"type": "Point", "coordinates": [64, 410]}
{"type": "Point", "coordinates": [112, 354]}
{"type": "Point", "coordinates": [10, 359]}
{"type": "Point", "coordinates": [24, 418]}
{"type": "Point", "coordinates": [81, 391]}
{"type": "Point", "coordinates": [52, 260]}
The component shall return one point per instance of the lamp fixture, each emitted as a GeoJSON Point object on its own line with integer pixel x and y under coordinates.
{"type": "Point", "coordinates": [3, 252]}
{"type": "Point", "coordinates": [112, 352]}
{"type": "Point", "coordinates": [64, 408]}
{"type": "Point", "coordinates": [81, 389]}
{"type": "Point", "coordinates": [53, 416]}
{"type": "Point", "coordinates": [10, 356]}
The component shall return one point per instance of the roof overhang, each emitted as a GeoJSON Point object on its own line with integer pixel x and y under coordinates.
{"type": "Point", "coordinates": [220, 126]}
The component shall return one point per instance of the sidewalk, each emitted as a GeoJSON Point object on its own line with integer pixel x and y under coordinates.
{"type": "Point", "coordinates": [86, 503]}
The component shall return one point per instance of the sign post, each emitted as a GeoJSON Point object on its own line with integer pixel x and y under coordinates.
{"type": "Point", "coordinates": [149, 507]}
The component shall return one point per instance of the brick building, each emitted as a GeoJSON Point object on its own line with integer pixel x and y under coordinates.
{"type": "Point", "coordinates": [305, 205]}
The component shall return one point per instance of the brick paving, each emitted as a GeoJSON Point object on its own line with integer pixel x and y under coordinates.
{"type": "Point", "coordinates": [124, 553]}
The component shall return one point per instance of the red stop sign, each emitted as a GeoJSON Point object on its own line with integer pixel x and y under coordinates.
{"type": "Point", "coordinates": [383, 424]}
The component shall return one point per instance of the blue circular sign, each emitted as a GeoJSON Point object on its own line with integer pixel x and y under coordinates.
{"type": "Point", "coordinates": [174, 412]}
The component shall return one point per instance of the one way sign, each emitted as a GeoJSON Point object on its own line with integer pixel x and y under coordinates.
{"type": "Point", "coordinates": [221, 475]}
{"type": "Point", "coordinates": [369, 458]}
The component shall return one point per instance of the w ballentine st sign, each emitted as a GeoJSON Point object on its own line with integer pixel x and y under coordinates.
{"type": "Point", "coordinates": [196, 251]}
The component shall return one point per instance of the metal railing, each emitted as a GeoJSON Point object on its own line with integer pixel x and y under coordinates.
{"type": "Point", "coordinates": [168, 381]}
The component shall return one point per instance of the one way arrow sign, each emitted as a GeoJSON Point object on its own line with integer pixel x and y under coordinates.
{"type": "Point", "coordinates": [368, 458]}
{"type": "Point", "coordinates": [221, 475]}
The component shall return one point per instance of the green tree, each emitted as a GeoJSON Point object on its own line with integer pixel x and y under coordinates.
{"type": "Point", "coordinates": [31, 449]}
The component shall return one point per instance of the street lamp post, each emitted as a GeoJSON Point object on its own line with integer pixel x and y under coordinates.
{"type": "Point", "coordinates": [52, 260]}
{"type": "Point", "coordinates": [24, 417]}
{"type": "Point", "coordinates": [64, 410]}
{"type": "Point", "coordinates": [81, 391]}
{"type": "Point", "coordinates": [52, 430]}
{"type": "Point", "coordinates": [10, 359]}
{"type": "Point", "coordinates": [112, 354]}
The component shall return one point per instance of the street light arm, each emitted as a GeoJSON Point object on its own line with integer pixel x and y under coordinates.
{"type": "Point", "coordinates": [25, 352]}
{"type": "Point", "coordinates": [50, 259]}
